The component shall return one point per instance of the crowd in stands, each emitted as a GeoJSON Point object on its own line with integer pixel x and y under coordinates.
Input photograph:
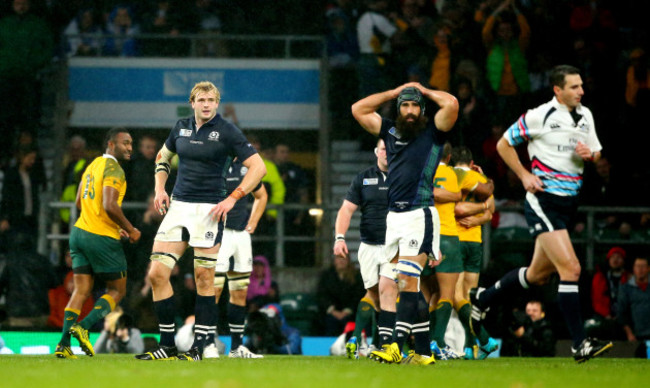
{"type": "Point", "coordinates": [494, 55]}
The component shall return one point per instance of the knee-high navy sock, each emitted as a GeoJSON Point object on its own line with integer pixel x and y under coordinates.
{"type": "Point", "coordinates": [203, 313]}
{"type": "Point", "coordinates": [212, 330]}
{"type": "Point", "coordinates": [513, 281]}
{"type": "Point", "coordinates": [165, 311]}
{"type": "Point", "coordinates": [568, 299]}
{"type": "Point", "coordinates": [407, 310]}
{"type": "Point", "coordinates": [236, 320]}
{"type": "Point", "coordinates": [385, 325]}
{"type": "Point", "coordinates": [421, 327]}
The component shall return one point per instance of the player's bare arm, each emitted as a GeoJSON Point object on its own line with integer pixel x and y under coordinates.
{"type": "Point", "coordinates": [259, 205]}
{"type": "Point", "coordinates": [483, 191]}
{"type": "Point", "coordinates": [365, 110]}
{"type": "Point", "coordinates": [163, 167]}
{"type": "Point", "coordinates": [342, 225]}
{"type": "Point", "coordinates": [509, 155]}
{"type": "Point", "coordinates": [446, 116]}
{"type": "Point", "coordinates": [441, 195]}
{"type": "Point", "coordinates": [255, 173]}
{"type": "Point", "coordinates": [468, 209]}
{"type": "Point", "coordinates": [114, 211]}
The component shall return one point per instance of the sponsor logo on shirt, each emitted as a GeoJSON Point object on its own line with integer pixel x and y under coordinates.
{"type": "Point", "coordinates": [414, 243]}
{"type": "Point", "coordinates": [209, 235]}
{"type": "Point", "coordinates": [370, 181]}
{"type": "Point", "coordinates": [185, 132]}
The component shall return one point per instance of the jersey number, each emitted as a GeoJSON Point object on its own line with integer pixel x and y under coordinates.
{"type": "Point", "coordinates": [89, 190]}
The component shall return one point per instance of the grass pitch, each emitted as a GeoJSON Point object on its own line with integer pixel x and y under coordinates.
{"type": "Point", "coordinates": [122, 371]}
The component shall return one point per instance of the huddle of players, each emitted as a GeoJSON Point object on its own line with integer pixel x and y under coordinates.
{"type": "Point", "coordinates": [464, 200]}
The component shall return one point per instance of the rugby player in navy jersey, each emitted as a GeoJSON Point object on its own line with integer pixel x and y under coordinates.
{"type": "Point", "coordinates": [237, 244]}
{"type": "Point", "coordinates": [413, 146]}
{"type": "Point", "coordinates": [561, 137]}
{"type": "Point", "coordinates": [369, 192]}
{"type": "Point", "coordinates": [206, 145]}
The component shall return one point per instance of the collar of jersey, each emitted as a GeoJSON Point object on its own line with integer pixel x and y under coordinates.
{"type": "Point", "coordinates": [563, 107]}
{"type": "Point", "coordinates": [109, 156]}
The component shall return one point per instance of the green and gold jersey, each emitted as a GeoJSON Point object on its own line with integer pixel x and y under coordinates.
{"type": "Point", "coordinates": [468, 179]}
{"type": "Point", "coordinates": [103, 171]}
{"type": "Point", "coordinates": [445, 178]}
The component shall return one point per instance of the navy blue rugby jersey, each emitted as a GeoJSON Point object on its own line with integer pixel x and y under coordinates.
{"type": "Point", "coordinates": [411, 166]}
{"type": "Point", "coordinates": [204, 158]}
{"type": "Point", "coordinates": [237, 217]}
{"type": "Point", "coordinates": [369, 191]}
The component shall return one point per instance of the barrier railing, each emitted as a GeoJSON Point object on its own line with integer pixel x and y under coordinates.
{"type": "Point", "coordinates": [590, 237]}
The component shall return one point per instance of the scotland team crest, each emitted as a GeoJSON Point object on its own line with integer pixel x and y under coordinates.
{"type": "Point", "coordinates": [213, 136]}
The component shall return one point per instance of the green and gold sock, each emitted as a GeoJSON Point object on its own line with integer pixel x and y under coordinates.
{"type": "Point", "coordinates": [365, 317]}
{"type": "Point", "coordinates": [443, 312]}
{"type": "Point", "coordinates": [103, 306]}
{"type": "Point", "coordinates": [464, 310]}
{"type": "Point", "coordinates": [69, 318]}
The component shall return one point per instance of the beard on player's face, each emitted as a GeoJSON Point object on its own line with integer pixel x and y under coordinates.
{"type": "Point", "coordinates": [410, 129]}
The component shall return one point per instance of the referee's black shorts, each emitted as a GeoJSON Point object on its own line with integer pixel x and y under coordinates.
{"type": "Point", "coordinates": [548, 212]}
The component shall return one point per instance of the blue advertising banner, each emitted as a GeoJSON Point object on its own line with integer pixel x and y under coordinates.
{"type": "Point", "coordinates": [154, 92]}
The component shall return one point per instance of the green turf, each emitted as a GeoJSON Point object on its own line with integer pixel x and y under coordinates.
{"type": "Point", "coordinates": [122, 371]}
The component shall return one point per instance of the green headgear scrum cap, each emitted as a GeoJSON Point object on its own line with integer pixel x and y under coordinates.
{"type": "Point", "coordinates": [411, 94]}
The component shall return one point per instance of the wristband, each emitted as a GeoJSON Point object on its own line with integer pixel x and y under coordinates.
{"type": "Point", "coordinates": [340, 237]}
{"type": "Point", "coordinates": [238, 193]}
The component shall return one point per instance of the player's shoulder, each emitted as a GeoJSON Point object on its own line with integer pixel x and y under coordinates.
{"type": "Point", "coordinates": [540, 111]}
{"type": "Point", "coordinates": [112, 168]}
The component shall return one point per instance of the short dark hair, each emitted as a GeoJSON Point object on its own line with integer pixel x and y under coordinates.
{"type": "Point", "coordinates": [112, 133]}
{"type": "Point", "coordinates": [461, 154]}
{"type": "Point", "coordinates": [559, 73]}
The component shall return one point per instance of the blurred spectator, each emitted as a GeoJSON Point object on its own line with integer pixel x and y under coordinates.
{"type": "Point", "coordinates": [84, 34]}
{"type": "Point", "coordinates": [119, 335]}
{"type": "Point", "coordinates": [21, 197]}
{"type": "Point", "coordinates": [140, 168]}
{"type": "Point", "coordinates": [532, 334]}
{"type": "Point", "coordinates": [605, 288]}
{"type": "Point", "coordinates": [339, 289]}
{"type": "Point", "coordinates": [375, 33]}
{"type": "Point", "coordinates": [268, 332]}
{"type": "Point", "coordinates": [272, 180]}
{"type": "Point", "coordinates": [59, 298]}
{"type": "Point", "coordinates": [75, 163]}
{"type": "Point", "coordinates": [262, 288]}
{"type": "Point", "coordinates": [297, 222]}
{"type": "Point", "coordinates": [507, 68]}
{"type": "Point", "coordinates": [470, 129]}
{"type": "Point", "coordinates": [342, 45]}
{"type": "Point", "coordinates": [122, 30]}
{"type": "Point", "coordinates": [25, 282]}
{"type": "Point", "coordinates": [26, 47]}
{"type": "Point", "coordinates": [605, 185]}
{"type": "Point", "coordinates": [637, 80]}
{"type": "Point", "coordinates": [417, 31]}
{"type": "Point", "coordinates": [634, 306]}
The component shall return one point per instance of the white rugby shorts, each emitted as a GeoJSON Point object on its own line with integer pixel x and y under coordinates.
{"type": "Point", "coordinates": [195, 217]}
{"type": "Point", "coordinates": [373, 263]}
{"type": "Point", "coordinates": [236, 243]}
{"type": "Point", "coordinates": [413, 232]}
